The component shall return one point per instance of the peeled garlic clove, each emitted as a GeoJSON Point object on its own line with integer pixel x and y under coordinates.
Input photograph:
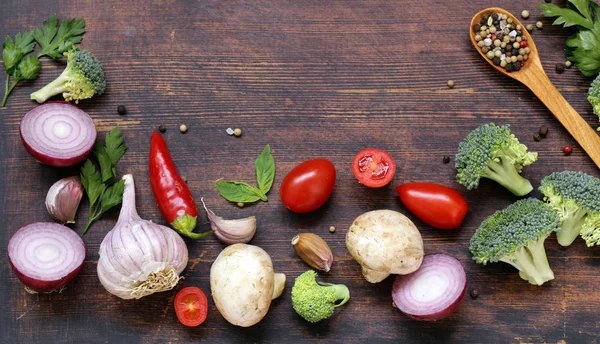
{"type": "Point", "coordinates": [63, 199]}
{"type": "Point", "coordinates": [313, 250]}
{"type": "Point", "coordinates": [229, 232]}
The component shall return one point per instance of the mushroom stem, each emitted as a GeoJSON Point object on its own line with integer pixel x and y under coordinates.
{"type": "Point", "coordinates": [278, 285]}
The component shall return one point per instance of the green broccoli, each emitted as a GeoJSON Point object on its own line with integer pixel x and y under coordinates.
{"type": "Point", "coordinates": [575, 196]}
{"type": "Point", "coordinates": [493, 152]}
{"type": "Point", "coordinates": [516, 235]}
{"type": "Point", "coordinates": [82, 78]}
{"type": "Point", "coordinates": [594, 96]}
{"type": "Point", "coordinates": [316, 301]}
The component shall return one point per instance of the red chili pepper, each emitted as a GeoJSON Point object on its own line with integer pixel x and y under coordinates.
{"type": "Point", "coordinates": [173, 197]}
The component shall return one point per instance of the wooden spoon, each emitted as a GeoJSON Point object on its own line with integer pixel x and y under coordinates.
{"type": "Point", "coordinates": [533, 76]}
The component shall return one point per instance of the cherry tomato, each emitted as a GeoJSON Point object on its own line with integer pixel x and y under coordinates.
{"type": "Point", "coordinates": [308, 186]}
{"type": "Point", "coordinates": [437, 205]}
{"type": "Point", "coordinates": [191, 306]}
{"type": "Point", "coordinates": [374, 167]}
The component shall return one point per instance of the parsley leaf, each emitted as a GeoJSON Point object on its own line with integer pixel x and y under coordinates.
{"type": "Point", "coordinates": [102, 191]}
{"type": "Point", "coordinates": [54, 40]}
{"type": "Point", "coordinates": [240, 192]}
{"type": "Point", "coordinates": [568, 17]}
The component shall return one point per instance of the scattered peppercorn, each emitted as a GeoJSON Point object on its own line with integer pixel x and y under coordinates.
{"type": "Point", "coordinates": [474, 294]}
{"type": "Point", "coordinates": [237, 132]}
{"type": "Point", "coordinates": [560, 68]}
{"type": "Point", "coordinates": [240, 204]}
{"type": "Point", "coordinates": [525, 14]}
{"type": "Point", "coordinates": [568, 64]}
{"type": "Point", "coordinates": [548, 1]}
{"type": "Point", "coordinates": [567, 150]}
{"type": "Point", "coordinates": [331, 229]}
{"type": "Point", "coordinates": [229, 131]}
{"type": "Point", "coordinates": [162, 128]}
{"type": "Point", "coordinates": [183, 128]}
{"type": "Point", "coordinates": [529, 27]}
{"type": "Point", "coordinates": [446, 159]}
{"type": "Point", "coordinates": [536, 137]}
{"type": "Point", "coordinates": [544, 131]}
{"type": "Point", "coordinates": [184, 178]}
{"type": "Point", "coordinates": [121, 109]}
{"type": "Point", "coordinates": [451, 83]}
{"type": "Point", "coordinates": [539, 25]}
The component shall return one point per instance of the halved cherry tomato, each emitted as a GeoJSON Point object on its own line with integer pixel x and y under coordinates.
{"type": "Point", "coordinates": [374, 167]}
{"type": "Point", "coordinates": [437, 205]}
{"type": "Point", "coordinates": [191, 306]}
{"type": "Point", "coordinates": [308, 186]}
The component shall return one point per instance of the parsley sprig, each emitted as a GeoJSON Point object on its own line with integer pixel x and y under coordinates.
{"type": "Point", "coordinates": [54, 40]}
{"type": "Point", "coordinates": [102, 191]}
{"type": "Point", "coordinates": [583, 47]}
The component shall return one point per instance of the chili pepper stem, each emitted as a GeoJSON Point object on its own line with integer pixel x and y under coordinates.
{"type": "Point", "coordinates": [185, 225]}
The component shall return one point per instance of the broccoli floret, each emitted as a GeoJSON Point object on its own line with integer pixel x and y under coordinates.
{"type": "Point", "coordinates": [82, 78]}
{"type": "Point", "coordinates": [493, 152]}
{"type": "Point", "coordinates": [316, 301]}
{"type": "Point", "coordinates": [576, 198]}
{"type": "Point", "coordinates": [594, 96]}
{"type": "Point", "coordinates": [516, 235]}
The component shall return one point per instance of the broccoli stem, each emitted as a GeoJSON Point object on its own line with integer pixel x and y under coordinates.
{"type": "Point", "coordinates": [532, 263]}
{"type": "Point", "coordinates": [571, 227]}
{"type": "Point", "coordinates": [57, 86]}
{"type": "Point", "coordinates": [341, 292]}
{"type": "Point", "coordinates": [505, 173]}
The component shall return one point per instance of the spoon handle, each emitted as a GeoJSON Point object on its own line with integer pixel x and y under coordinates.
{"type": "Point", "coordinates": [542, 87]}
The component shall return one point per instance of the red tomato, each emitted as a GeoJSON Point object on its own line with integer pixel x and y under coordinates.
{"type": "Point", "coordinates": [374, 167]}
{"type": "Point", "coordinates": [437, 205]}
{"type": "Point", "coordinates": [308, 186]}
{"type": "Point", "coordinates": [191, 306]}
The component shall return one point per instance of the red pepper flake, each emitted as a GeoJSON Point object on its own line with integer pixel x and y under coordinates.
{"type": "Point", "coordinates": [523, 44]}
{"type": "Point", "coordinates": [567, 150]}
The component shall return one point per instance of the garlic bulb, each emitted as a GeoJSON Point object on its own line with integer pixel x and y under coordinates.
{"type": "Point", "coordinates": [63, 199]}
{"type": "Point", "coordinates": [139, 257]}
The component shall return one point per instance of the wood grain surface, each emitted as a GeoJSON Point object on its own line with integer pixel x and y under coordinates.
{"type": "Point", "coordinates": [312, 78]}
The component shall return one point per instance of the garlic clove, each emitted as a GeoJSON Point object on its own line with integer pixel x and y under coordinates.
{"type": "Point", "coordinates": [239, 231]}
{"type": "Point", "coordinates": [63, 199]}
{"type": "Point", "coordinates": [313, 250]}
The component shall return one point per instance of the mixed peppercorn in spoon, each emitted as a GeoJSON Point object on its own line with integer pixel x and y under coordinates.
{"type": "Point", "coordinates": [501, 39]}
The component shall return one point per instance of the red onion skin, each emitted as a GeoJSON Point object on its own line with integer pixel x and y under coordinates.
{"type": "Point", "coordinates": [54, 161]}
{"type": "Point", "coordinates": [433, 316]}
{"type": "Point", "coordinates": [45, 286]}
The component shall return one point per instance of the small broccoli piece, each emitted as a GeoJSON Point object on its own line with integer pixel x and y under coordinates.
{"type": "Point", "coordinates": [594, 96]}
{"type": "Point", "coordinates": [82, 78]}
{"type": "Point", "coordinates": [493, 152]}
{"type": "Point", "coordinates": [576, 198]}
{"type": "Point", "coordinates": [316, 301]}
{"type": "Point", "coordinates": [516, 235]}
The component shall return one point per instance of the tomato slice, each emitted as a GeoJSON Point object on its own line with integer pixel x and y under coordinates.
{"type": "Point", "coordinates": [191, 306]}
{"type": "Point", "coordinates": [374, 167]}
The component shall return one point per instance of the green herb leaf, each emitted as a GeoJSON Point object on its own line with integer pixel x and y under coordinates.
{"type": "Point", "coordinates": [115, 147]}
{"type": "Point", "coordinates": [29, 68]}
{"type": "Point", "coordinates": [568, 17]}
{"type": "Point", "coordinates": [90, 178]}
{"type": "Point", "coordinates": [107, 169]}
{"type": "Point", "coordinates": [240, 192]}
{"type": "Point", "coordinates": [55, 40]}
{"type": "Point", "coordinates": [265, 170]}
{"type": "Point", "coordinates": [113, 196]}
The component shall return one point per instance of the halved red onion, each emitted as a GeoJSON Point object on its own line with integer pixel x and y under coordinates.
{"type": "Point", "coordinates": [58, 133]}
{"type": "Point", "coordinates": [45, 256]}
{"type": "Point", "coordinates": [434, 291]}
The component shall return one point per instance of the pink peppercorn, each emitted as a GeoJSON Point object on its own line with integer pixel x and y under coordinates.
{"type": "Point", "coordinates": [523, 44]}
{"type": "Point", "coordinates": [567, 150]}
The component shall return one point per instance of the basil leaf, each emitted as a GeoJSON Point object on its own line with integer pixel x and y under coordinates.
{"type": "Point", "coordinates": [265, 169]}
{"type": "Point", "coordinates": [240, 192]}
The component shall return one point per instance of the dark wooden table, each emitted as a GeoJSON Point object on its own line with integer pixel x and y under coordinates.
{"type": "Point", "coordinates": [313, 79]}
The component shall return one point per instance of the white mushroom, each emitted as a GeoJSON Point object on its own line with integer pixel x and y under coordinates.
{"type": "Point", "coordinates": [243, 284]}
{"type": "Point", "coordinates": [385, 242]}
